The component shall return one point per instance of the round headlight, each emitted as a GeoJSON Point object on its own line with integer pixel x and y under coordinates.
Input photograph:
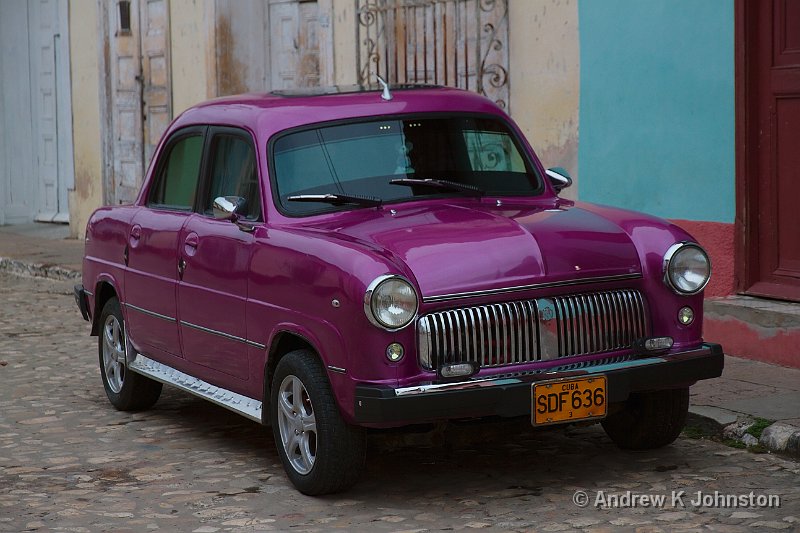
{"type": "Point", "coordinates": [687, 268]}
{"type": "Point", "coordinates": [390, 302]}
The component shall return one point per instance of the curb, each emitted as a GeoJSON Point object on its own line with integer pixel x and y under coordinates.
{"type": "Point", "coordinates": [38, 270]}
{"type": "Point", "coordinates": [778, 437]}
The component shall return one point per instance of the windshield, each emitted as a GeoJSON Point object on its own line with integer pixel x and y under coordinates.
{"type": "Point", "coordinates": [396, 160]}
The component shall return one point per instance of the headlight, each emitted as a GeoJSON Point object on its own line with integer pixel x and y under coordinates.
{"type": "Point", "coordinates": [390, 302]}
{"type": "Point", "coordinates": [686, 268]}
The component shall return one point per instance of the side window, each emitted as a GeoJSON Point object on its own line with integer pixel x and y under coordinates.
{"type": "Point", "coordinates": [176, 183]}
{"type": "Point", "coordinates": [233, 173]}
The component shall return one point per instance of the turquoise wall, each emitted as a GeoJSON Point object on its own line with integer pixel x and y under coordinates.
{"type": "Point", "coordinates": [657, 107]}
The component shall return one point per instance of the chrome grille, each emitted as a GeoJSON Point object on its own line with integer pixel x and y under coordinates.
{"type": "Point", "coordinates": [526, 331]}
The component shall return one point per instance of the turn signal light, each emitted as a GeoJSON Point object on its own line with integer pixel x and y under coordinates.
{"type": "Point", "coordinates": [457, 370]}
{"type": "Point", "coordinates": [655, 344]}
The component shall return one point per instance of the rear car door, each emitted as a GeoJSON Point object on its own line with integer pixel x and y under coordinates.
{"type": "Point", "coordinates": [215, 255]}
{"type": "Point", "coordinates": [151, 251]}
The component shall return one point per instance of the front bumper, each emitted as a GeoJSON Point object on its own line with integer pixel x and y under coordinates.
{"type": "Point", "coordinates": [511, 396]}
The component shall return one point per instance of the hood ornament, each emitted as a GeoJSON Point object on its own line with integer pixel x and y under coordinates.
{"type": "Point", "coordinates": [386, 94]}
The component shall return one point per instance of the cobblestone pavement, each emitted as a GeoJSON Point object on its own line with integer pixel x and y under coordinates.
{"type": "Point", "coordinates": [70, 462]}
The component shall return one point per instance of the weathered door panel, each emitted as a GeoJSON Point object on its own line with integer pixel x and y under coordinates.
{"type": "Point", "coordinates": [774, 122]}
{"type": "Point", "coordinates": [294, 44]}
{"type": "Point", "coordinates": [126, 101]}
{"type": "Point", "coordinates": [157, 101]}
{"type": "Point", "coordinates": [139, 91]}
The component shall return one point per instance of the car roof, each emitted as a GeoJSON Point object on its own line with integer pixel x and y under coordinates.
{"type": "Point", "coordinates": [268, 113]}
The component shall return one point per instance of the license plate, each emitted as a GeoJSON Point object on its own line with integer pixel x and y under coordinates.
{"type": "Point", "coordinates": [568, 400]}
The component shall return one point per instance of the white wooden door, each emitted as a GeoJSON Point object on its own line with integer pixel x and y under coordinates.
{"type": "Point", "coordinates": [53, 121]}
{"type": "Point", "coordinates": [139, 92]}
{"type": "Point", "coordinates": [294, 44]}
{"type": "Point", "coordinates": [16, 136]}
{"type": "Point", "coordinates": [36, 165]}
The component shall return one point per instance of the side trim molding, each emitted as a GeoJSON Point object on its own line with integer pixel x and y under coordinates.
{"type": "Point", "coordinates": [243, 405]}
{"type": "Point", "coordinates": [150, 313]}
{"type": "Point", "coordinates": [223, 335]}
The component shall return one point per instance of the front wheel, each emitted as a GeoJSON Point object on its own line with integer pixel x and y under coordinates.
{"type": "Point", "coordinates": [320, 452]}
{"type": "Point", "coordinates": [127, 391]}
{"type": "Point", "coordinates": [649, 420]}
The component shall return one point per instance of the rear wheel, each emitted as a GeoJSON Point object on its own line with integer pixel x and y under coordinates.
{"type": "Point", "coordinates": [127, 391]}
{"type": "Point", "coordinates": [320, 452]}
{"type": "Point", "coordinates": [649, 420]}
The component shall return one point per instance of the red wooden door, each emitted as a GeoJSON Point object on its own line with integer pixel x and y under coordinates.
{"type": "Point", "coordinates": [770, 62]}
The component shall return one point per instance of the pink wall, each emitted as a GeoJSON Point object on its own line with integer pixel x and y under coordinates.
{"type": "Point", "coordinates": [717, 239]}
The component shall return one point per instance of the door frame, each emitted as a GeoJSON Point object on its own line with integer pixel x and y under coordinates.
{"type": "Point", "coordinates": [745, 184]}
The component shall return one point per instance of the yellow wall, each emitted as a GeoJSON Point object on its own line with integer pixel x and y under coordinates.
{"type": "Point", "coordinates": [545, 79]}
{"type": "Point", "coordinates": [84, 59]}
{"type": "Point", "coordinates": [192, 53]}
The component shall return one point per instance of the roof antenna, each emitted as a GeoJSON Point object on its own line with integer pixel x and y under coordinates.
{"type": "Point", "coordinates": [386, 95]}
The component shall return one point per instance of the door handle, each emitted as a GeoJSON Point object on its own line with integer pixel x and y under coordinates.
{"type": "Point", "coordinates": [136, 234]}
{"type": "Point", "coordinates": [190, 244]}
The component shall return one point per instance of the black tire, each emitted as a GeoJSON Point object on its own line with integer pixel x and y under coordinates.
{"type": "Point", "coordinates": [335, 450]}
{"type": "Point", "coordinates": [649, 420]}
{"type": "Point", "coordinates": [127, 391]}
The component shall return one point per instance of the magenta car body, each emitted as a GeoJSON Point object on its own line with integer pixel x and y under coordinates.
{"type": "Point", "coordinates": [509, 290]}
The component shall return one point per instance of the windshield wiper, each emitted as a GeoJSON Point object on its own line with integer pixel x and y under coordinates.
{"type": "Point", "coordinates": [337, 199]}
{"type": "Point", "coordinates": [440, 184]}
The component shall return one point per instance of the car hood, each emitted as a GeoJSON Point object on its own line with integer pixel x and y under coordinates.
{"type": "Point", "coordinates": [457, 248]}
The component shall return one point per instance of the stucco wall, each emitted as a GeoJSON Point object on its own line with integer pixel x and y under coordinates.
{"type": "Point", "coordinates": [84, 59]}
{"type": "Point", "coordinates": [192, 53]}
{"type": "Point", "coordinates": [545, 78]}
{"type": "Point", "coordinates": [657, 107]}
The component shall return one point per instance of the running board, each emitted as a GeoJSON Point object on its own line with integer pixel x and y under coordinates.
{"type": "Point", "coordinates": [237, 403]}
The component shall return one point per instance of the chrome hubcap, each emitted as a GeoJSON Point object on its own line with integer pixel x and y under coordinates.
{"type": "Point", "coordinates": [114, 354]}
{"type": "Point", "coordinates": [297, 424]}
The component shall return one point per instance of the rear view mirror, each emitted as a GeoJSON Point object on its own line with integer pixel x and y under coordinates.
{"type": "Point", "coordinates": [559, 178]}
{"type": "Point", "coordinates": [227, 207]}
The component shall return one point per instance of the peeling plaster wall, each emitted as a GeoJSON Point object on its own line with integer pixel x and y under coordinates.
{"type": "Point", "coordinates": [545, 79]}
{"type": "Point", "coordinates": [85, 73]}
{"type": "Point", "coordinates": [192, 52]}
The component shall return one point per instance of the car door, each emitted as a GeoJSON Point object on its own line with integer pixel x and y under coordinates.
{"type": "Point", "coordinates": [151, 250]}
{"type": "Point", "coordinates": [215, 255]}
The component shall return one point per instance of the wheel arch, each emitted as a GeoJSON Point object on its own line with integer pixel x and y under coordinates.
{"type": "Point", "coordinates": [283, 342]}
{"type": "Point", "coordinates": [104, 290]}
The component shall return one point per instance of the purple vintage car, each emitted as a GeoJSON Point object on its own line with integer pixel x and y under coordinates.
{"type": "Point", "coordinates": [340, 261]}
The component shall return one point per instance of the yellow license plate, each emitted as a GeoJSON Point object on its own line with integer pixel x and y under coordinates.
{"type": "Point", "coordinates": [568, 400]}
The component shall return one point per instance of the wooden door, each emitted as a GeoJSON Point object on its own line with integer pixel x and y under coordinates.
{"type": "Point", "coordinates": [36, 164]}
{"type": "Point", "coordinates": [294, 44]}
{"type": "Point", "coordinates": [16, 136]}
{"type": "Point", "coordinates": [769, 160]}
{"type": "Point", "coordinates": [139, 92]}
{"type": "Point", "coordinates": [52, 119]}
{"type": "Point", "coordinates": [157, 96]}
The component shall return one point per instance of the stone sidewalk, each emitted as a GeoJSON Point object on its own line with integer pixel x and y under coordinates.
{"type": "Point", "coordinates": [756, 404]}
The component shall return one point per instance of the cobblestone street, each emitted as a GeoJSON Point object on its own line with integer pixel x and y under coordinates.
{"type": "Point", "coordinates": [70, 462]}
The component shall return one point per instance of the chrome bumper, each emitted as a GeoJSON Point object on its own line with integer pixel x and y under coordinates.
{"type": "Point", "coordinates": [511, 396]}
